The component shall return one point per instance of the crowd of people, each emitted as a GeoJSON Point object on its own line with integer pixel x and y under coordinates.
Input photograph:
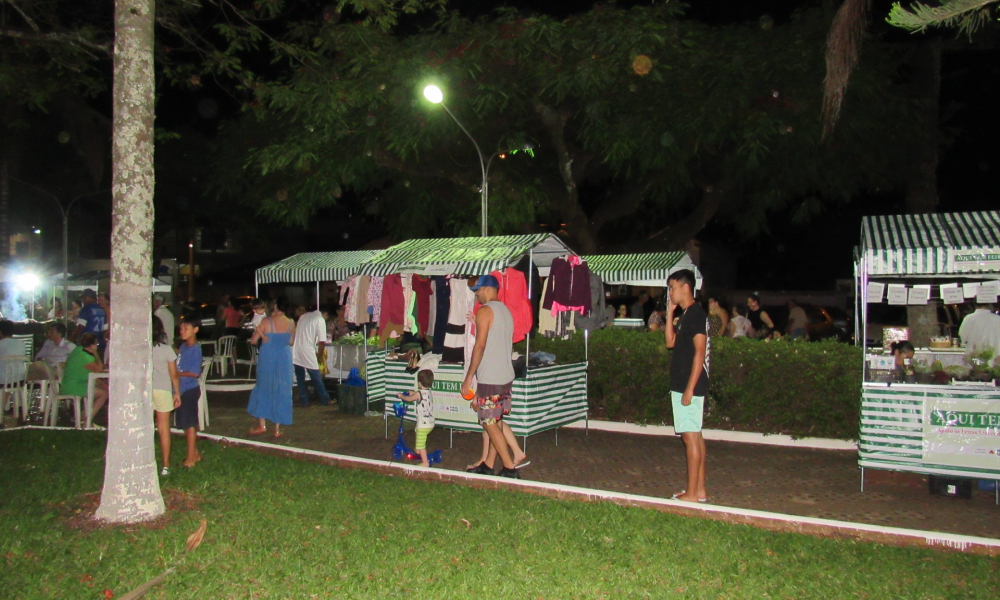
{"type": "Point", "coordinates": [746, 319]}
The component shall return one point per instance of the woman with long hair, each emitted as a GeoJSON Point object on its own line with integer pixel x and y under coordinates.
{"type": "Point", "coordinates": [166, 388]}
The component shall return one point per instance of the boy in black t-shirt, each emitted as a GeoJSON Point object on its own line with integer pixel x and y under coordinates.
{"type": "Point", "coordinates": [688, 377]}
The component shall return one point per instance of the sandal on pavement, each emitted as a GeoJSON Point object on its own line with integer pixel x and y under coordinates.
{"type": "Point", "coordinates": [257, 431]}
{"type": "Point", "coordinates": [474, 468]}
{"type": "Point", "coordinates": [522, 464]}
{"type": "Point", "coordinates": [682, 492]}
{"type": "Point", "coordinates": [278, 434]}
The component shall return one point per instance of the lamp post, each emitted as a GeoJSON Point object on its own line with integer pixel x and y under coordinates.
{"type": "Point", "coordinates": [434, 95]}
{"type": "Point", "coordinates": [64, 210]}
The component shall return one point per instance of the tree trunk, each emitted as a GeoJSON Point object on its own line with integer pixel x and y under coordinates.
{"type": "Point", "coordinates": [922, 192]}
{"type": "Point", "coordinates": [131, 487]}
{"type": "Point", "coordinates": [680, 233]}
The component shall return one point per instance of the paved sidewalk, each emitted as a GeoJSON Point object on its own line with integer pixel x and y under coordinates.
{"type": "Point", "coordinates": [795, 481]}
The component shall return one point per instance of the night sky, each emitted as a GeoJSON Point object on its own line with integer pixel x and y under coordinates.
{"type": "Point", "coordinates": [788, 256]}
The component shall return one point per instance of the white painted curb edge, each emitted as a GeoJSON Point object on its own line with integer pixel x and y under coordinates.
{"type": "Point", "coordinates": [721, 435]}
{"type": "Point", "coordinates": [929, 538]}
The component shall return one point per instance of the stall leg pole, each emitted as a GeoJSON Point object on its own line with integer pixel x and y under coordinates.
{"type": "Point", "coordinates": [451, 439]}
{"type": "Point", "coordinates": [557, 437]}
{"type": "Point", "coordinates": [586, 425]}
{"type": "Point", "coordinates": [862, 480]}
{"type": "Point", "coordinates": [524, 443]}
{"type": "Point", "coordinates": [385, 420]}
{"type": "Point", "coordinates": [317, 295]}
{"type": "Point", "coordinates": [996, 492]}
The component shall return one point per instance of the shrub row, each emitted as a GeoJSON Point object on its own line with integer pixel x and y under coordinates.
{"type": "Point", "coordinates": [802, 389]}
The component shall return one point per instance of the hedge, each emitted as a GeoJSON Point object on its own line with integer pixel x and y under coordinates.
{"type": "Point", "coordinates": [802, 389]}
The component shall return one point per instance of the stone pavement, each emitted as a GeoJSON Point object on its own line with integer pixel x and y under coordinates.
{"type": "Point", "coordinates": [794, 481]}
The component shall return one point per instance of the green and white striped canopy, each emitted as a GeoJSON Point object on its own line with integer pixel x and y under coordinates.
{"type": "Point", "coordinates": [932, 244]}
{"type": "Point", "coordinates": [651, 268]}
{"type": "Point", "coordinates": [464, 256]}
{"type": "Point", "coordinates": [315, 266]}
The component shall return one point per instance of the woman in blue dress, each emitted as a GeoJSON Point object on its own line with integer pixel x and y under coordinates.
{"type": "Point", "coordinates": [271, 398]}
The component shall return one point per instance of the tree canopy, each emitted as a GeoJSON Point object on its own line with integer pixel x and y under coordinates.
{"type": "Point", "coordinates": [681, 121]}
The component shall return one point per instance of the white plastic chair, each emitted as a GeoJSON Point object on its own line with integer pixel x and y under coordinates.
{"type": "Point", "coordinates": [52, 407]}
{"type": "Point", "coordinates": [206, 364]}
{"type": "Point", "coordinates": [41, 378]}
{"type": "Point", "coordinates": [12, 371]}
{"type": "Point", "coordinates": [254, 352]}
{"type": "Point", "coordinates": [224, 353]}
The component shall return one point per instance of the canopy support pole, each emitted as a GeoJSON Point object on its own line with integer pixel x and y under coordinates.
{"type": "Point", "coordinates": [317, 295]}
{"type": "Point", "coordinates": [256, 286]}
{"type": "Point", "coordinates": [527, 338]}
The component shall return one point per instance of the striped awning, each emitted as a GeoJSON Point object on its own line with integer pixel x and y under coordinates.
{"type": "Point", "coordinates": [308, 267]}
{"type": "Point", "coordinates": [651, 268]}
{"type": "Point", "coordinates": [931, 244]}
{"type": "Point", "coordinates": [465, 256]}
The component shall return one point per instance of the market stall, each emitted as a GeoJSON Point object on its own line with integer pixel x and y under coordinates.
{"type": "Point", "coordinates": [544, 398]}
{"type": "Point", "coordinates": [951, 427]}
{"type": "Point", "coordinates": [650, 269]}
{"type": "Point", "coordinates": [647, 269]}
{"type": "Point", "coordinates": [317, 267]}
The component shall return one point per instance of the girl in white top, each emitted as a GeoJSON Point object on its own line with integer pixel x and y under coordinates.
{"type": "Point", "coordinates": [739, 325]}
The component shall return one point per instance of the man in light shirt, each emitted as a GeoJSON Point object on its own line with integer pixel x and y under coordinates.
{"type": "Point", "coordinates": [307, 351]}
{"type": "Point", "coordinates": [980, 330]}
{"type": "Point", "coordinates": [55, 349]}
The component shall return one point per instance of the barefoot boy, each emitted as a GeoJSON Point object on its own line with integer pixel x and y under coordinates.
{"type": "Point", "coordinates": [188, 371]}
{"type": "Point", "coordinates": [423, 404]}
{"type": "Point", "coordinates": [688, 377]}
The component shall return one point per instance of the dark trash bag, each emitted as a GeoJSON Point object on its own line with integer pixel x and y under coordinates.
{"type": "Point", "coordinates": [354, 378]}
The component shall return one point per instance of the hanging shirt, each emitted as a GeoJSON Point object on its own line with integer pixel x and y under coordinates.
{"type": "Point", "coordinates": [462, 300]}
{"type": "Point", "coordinates": [422, 294]}
{"type": "Point", "coordinates": [514, 295]}
{"type": "Point", "coordinates": [596, 318]}
{"type": "Point", "coordinates": [442, 295]}
{"type": "Point", "coordinates": [374, 298]}
{"type": "Point", "coordinates": [393, 302]}
{"type": "Point", "coordinates": [568, 287]}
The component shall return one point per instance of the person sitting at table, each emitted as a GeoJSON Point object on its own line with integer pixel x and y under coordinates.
{"type": "Point", "coordinates": [902, 351]}
{"type": "Point", "coordinates": [82, 361]}
{"type": "Point", "coordinates": [56, 348]}
{"type": "Point", "coordinates": [656, 320]}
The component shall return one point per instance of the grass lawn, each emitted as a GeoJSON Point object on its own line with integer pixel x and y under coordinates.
{"type": "Point", "coordinates": [281, 528]}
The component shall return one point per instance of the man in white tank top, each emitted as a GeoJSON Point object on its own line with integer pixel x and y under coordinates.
{"type": "Point", "coordinates": [492, 367]}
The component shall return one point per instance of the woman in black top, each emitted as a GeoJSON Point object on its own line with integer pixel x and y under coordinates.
{"type": "Point", "coordinates": [758, 318]}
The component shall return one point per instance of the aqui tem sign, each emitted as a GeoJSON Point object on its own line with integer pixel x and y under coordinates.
{"type": "Point", "coordinates": [975, 260]}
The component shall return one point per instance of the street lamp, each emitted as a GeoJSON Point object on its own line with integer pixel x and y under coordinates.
{"type": "Point", "coordinates": [28, 282]}
{"type": "Point", "coordinates": [434, 95]}
{"type": "Point", "coordinates": [64, 210]}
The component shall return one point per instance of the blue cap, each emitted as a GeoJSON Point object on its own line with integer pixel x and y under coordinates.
{"type": "Point", "coordinates": [486, 281]}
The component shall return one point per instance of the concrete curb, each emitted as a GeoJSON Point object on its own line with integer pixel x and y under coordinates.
{"type": "Point", "coordinates": [721, 435]}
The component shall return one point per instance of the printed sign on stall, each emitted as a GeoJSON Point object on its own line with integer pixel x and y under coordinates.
{"type": "Point", "coordinates": [952, 294]}
{"type": "Point", "coordinates": [919, 294]}
{"type": "Point", "coordinates": [875, 292]}
{"type": "Point", "coordinates": [449, 405]}
{"type": "Point", "coordinates": [975, 260]}
{"type": "Point", "coordinates": [988, 291]}
{"type": "Point", "coordinates": [962, 432]}
{"type": "Point", "coordinates": [897, 294]}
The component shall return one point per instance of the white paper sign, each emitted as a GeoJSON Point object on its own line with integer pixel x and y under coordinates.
{"type": "Point", "coordinates": [919, 294]}
{"type": "Point", "coordinates": [988, 292]}
{"type": "Point", "coordinates": [897, 293]}
{"type": "Point", "coordinates": [969, 290]}
{"type": "Point", "coordinates": [875, 292]}
{"type": "Point", "coordinates": [952, 294]}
